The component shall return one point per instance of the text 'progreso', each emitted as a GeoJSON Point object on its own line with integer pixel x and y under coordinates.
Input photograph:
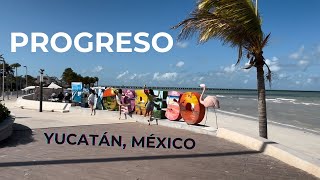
{"type": "Point", "coordinates": [103, 42]}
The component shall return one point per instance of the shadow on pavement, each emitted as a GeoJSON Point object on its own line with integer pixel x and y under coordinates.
{"type": "Point", "coordinates": [21, 135]}
{"type": "Point", "coordinates": [22, 117]}
{"type": "Point", "coordinates": [117, 159]}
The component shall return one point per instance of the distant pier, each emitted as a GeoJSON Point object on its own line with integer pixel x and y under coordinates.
{"type": "Point", "coordinates": [166, 88]}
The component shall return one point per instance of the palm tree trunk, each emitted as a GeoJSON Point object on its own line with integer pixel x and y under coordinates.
{"type": "Point", "coordinates": [262, 110]}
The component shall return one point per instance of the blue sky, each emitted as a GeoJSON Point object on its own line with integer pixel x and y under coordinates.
{"type": "Point", "coordinates": [293, 52]}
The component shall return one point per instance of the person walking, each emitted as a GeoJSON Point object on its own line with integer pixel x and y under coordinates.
{"type": "Point", "coordinates": [123, 107]}
{"type": "Point", "coordinates": [150, 103]}
{"type": "Point", "coordinates": [91, 100]}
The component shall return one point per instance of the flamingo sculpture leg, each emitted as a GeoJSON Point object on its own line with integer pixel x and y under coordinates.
{"type": "Point", "coordinates": [209, 101]}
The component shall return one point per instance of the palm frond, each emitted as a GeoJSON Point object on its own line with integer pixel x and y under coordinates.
{"type": "Point", "coordinates": [265, 40]}
{"type": "Point", "coordinates": [232, 21]}
{"type": "Point", "coordinates": [269, 74]}
{"type": "Point", "coordinates": [239, 55]}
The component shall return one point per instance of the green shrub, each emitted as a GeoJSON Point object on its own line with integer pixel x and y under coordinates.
{"type": "Point", "coordinates": [4, 112]}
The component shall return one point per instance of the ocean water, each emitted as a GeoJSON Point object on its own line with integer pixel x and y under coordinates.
{"type": "Point", "coordinates": [294, 108]}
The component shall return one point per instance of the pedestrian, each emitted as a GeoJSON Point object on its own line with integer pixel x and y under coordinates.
{"type": "Point", "coordinates": [91, 100]}
{"type": "Point", "coordinates": [60, 97]}
{"type": "Point", "coordinates": [121, 100]}
{"type": "Point", "coordinates": [150, 103]}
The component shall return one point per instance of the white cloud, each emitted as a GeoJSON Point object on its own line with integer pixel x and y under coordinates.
{"type": "Point", "coordinates": [180, 64]}
{"type": "Point", "coordinates": [273, 64]}
{"type": "Point", "coordinates": [98, 69]}
{"type": "Point", "coordinates": [297, 82]}
{"type": "Point", "coordinates": [309, 80]}
{"type": "Point", "coordinates": [143, 75]}
{"type": "Point", "coordinates": [303, 62]}
{"type": "Point", "coordinates": [219, 74]}
{"type": "Point", "coordinates": [282, 75]}
{"type": "Point", "coordinates": [298, 54]}
{"type": "Point", "coordinates": [165, 76]}
{"type": "Point", "coordinates": [84, 71]}
{"type": "Point", "coordinates": [201, 78]}
{"type": "Point", "coordinates": [245, 81]}
{"type": "Point", "coordinates": [133, 76]}
{"type": "Point", "coordinates": [230, 69]}
{"type": "Point", "coordinates": [182, 44]}
{"type": "Point", "coordinates": [122, 74]}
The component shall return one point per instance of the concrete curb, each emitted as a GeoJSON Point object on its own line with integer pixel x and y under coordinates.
{"type": "Point", "coordinates": [278, 151]}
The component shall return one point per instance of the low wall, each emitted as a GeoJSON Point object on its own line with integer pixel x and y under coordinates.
{"type": "Point", "coordinates": [28, 96]}
{"type": "Point", "coordinates": [6, 128]}
{"type": "Point", "coordinates": [46, 106]}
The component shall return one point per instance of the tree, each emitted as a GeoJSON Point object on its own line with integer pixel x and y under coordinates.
{"type": "Point", "coordinates": [235, 23]}
{"type": "Point", "coordinates": [69, 76]}
{"type": "Point", "coordinates": [16, 65]}
{"type": "Point", "coordinates": [8, 72]}
{"type": "Point", "coordinates": [97, 80]}
{"type": "Point", "coordinates": [92, 80]}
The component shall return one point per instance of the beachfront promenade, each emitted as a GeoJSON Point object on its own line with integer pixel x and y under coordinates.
{"type": "Point", "coordinates": [26, 155]}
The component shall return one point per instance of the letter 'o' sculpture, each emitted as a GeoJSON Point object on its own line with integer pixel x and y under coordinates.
{"type": "Point", "coordinates": [109, 100]}
{"type": "Point", "coordinates": [191, 110]}
{"type": "Point", "coordinates": [173, 108]}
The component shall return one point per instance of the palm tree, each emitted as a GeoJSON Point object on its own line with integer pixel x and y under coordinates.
{"type": "Point", "coordinates": [97, 80]}
{"type": "Point", "coordinates": [16, 65]}
{"type": "Point", "coordinates": [236, 24]}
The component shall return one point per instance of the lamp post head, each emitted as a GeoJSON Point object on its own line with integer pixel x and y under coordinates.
{"type": "Point", "coordinates": [202, 85]}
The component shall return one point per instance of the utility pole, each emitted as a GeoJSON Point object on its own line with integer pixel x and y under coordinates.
{"type": "Point", "coordinates": [17, 81]}
{"type": "Point", "coordinates": [3, 70]}
{"type": "Point", "coordinates": [26, 75]}
{"type": "Point", "coordinates": [41, 89]}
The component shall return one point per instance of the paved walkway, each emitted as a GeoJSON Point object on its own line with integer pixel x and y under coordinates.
{"type": "Point", "coordinates": [296, 139]}
{"type": "Point", "coordinates": [26, 155]}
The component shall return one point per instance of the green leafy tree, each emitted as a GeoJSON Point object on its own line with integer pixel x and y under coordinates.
{"type": "Point", "coordinates": [97, 80]}
{"type": "Point", "coordinates": [92, 80]}
{"type": "Point", "coordinates": [16, 66]}
{"type": "Point", "coordinates": [236, 24]}
{"type": "Point", "coordinates": [69, 76]}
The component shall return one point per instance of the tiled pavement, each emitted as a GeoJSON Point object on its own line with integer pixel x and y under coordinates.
{"type": "Point", "coordinates": [26, 155]}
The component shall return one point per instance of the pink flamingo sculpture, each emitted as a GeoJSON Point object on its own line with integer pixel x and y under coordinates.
{"type": "Point", "coordinates": [209, 101]}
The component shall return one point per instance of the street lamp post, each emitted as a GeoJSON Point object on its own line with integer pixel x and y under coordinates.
{"type": "Point", "coordinates": [26, 75]}
{"type": "Point", "coordinates": [41, 89]}
{"type": "Point", "coordinates": [3, 70]}
{"type": "Point", "coordinates": [17, 82]}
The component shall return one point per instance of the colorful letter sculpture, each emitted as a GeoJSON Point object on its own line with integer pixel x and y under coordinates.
{"type": "Point", "coordinates": [159, 104]}
{"type": "Point", "coordinates": [76, 88]}
{"type": "Point", "coordinates": [109, 100]}
{"type": "Point", "coordinates": [173, 109]}
{"type": "Point", "coordinates": [190, 108]}
{"type": "Point", "coordinates": [131, 99]}
{"type": "Point", "coordinates": [141, 102]}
